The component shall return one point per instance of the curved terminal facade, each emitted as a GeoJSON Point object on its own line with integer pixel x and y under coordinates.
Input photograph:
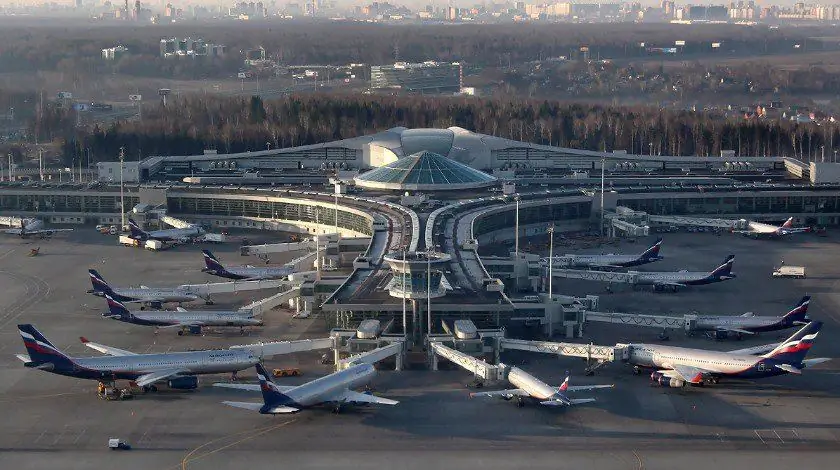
{"type": "Point", "coordinates": [450, 223]}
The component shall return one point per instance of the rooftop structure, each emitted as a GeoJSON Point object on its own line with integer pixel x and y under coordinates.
{"type": "Point", "coordinates": [424, 77]}
{"type": "Point", "coordinates": [417, 275]}
{"type": "Point", "coordinates": [425, 171]}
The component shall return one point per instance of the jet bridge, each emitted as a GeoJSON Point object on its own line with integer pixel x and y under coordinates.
{"type": "Point", "coordinates": [235, 286]}
{"type": "Point", "coordinates": [478, 367]}
{"type": "Point", "coordinates": [268, 303]}
{"type": "Point", "coordinates": [276, 348]}
{"type": "Point", "coordinates": [636, 319]}
{"type": "Point", "coordinates": [395, 349]}
{"type": "Point", "coordinates": [696, 221]}
{"type": "Point", "coordinates": [628, 228]}
{"type": "Point", "coordinates": [593, 275]}
{"type": "Point", "coordinates": [594, 355]}
{"type": "Point", "coordinates": [175, 222]}
{"type": "Point", "coordinates": [277, 248]}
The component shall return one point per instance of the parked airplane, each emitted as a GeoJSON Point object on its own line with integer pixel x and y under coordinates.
{"type": "Point", "coordinates": [758, 229]}
{"type": "Point", "coordinates": [178, 369]}
{"type": "Point", "coordinates": [333, 389]}
{"type": "Point", "coordinates": [30, 227]}
{"type": "Point", "coordinates": [150, 295]}
{"type": "Point", "coordinates": [748, 324]}
{"type": "Point", "coordinates": [676, 367]}
{"type": "Point", "coordinates": [250, 273]}
{"type": "Point", "coordinates": [167, 235]}
{"type": "Point", "coordinates": [533, 389]}
{"type": "Point", "coordinates": [182, 319]}
{"type": "Point", "coordinates": [675, 280]}
{"type": "Point", "coordinates": [611, 260]}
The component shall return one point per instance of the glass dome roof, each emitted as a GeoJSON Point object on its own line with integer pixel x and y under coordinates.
{"type": "Point", "coordinates": [425, 170]}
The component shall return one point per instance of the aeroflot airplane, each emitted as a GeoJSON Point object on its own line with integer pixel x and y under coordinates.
{"type": "Point", "coordinates": [758, 229]}
{"type": "Point", "coordinates": [150, 295]}
{"type": "Point", "coordinates": [676, 367]}
{"type": "Point", "coordinates": [611, 261]}
{"type": "Point", "coordinates": [29, 227]}
{"type": "Point", "coordinates": [331, 389]}
{"type": "Point", "coordinates": [168, 235]}
{"type": "Point", "coordinates": [750, 324]}
{"type": "Point", "coordinates": [179, 369]}
{"type": "Point", "coordinates": [685, 278]}
{"type": "Point", "coordinates": [181, 318]}
{"type": "Point", "coordinates": [533, 389]}
{"type": "Point", "coordinates": [250, 273]}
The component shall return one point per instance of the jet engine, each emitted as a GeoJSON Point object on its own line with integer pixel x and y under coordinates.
{"type": "Point", "coordinates": [189, 382]}
{"type": "Point", "coordinates": [664, 381]}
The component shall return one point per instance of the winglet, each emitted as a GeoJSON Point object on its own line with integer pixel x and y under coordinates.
{"type": "Point", "coordinates": [84, 340]}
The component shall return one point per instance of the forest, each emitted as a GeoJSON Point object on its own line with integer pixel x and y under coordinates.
{"type": "Point", "coordinates": [191, 124]}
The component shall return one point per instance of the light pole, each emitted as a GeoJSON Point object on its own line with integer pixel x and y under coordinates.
{"type": "Point", "coordinates": [429, 291]}
{"type": "Point", "coordinates": [41, 163]}
{"type": "Point", "coordinates": [10, 167]}
{"type": "Point", "coordinates": [516, 235]}
{"type": "Point", "coordinates": [551, 262]}
{"type": "Point", "coordinates": [122, 190]}
{"type": "Point", "coordinates": [405, 323]}
{"type": "Point", "coordinates": [603, 164]}
{"type": "Point", "coordinates": [336, 214]}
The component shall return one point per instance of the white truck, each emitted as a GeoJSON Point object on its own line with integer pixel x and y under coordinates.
{"type": "Point", "coordinates": [128, 241]}
{"type": "Point", "coordinates": [790, 271]}
{"type": "Point", "coordinates": [213, 238]}
{"type": "Point", "coordinates": [154, 245]}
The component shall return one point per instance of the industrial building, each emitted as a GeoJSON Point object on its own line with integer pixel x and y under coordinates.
{"type": "Point", "coordinates": [426, 77]}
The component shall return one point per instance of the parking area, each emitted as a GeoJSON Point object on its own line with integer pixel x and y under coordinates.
{"type": "Point", "coordinates": [57, 422]}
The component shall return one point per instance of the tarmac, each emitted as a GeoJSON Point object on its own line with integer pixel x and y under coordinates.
{"type": "Point", "coordinates": [58, 422]}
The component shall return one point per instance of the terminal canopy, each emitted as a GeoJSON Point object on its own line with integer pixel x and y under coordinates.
{"type": "Point", "coordinates": [425, 170]}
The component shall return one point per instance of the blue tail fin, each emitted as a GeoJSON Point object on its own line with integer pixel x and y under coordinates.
{"type": "Point", "coordinates": [136, 231]}
{"type": "Point", "coordinates": [725, 269]}
{"type": "Point", "coordinates": [117, 308]}
{"type": "Point", "coordinates": [40, 350]}
{"type": "Point", "coordinates": [271, 396]}
{"type": "Point", "coordinates": [212, 263]}
{"type": "Point", "coordinates": [98, 283]}
{"type": "Point", "coordinates": [653, 251]}
{"type": "Point", "coordinates": [794, 349]}
{"type": "Point", "coordinates": [799, 313]}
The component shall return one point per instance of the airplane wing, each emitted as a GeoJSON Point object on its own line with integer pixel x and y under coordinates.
{"type": "Point", "coordinates": [258, 406]}
{"type": "Point", "coordinates": [582, 388]}
{"type": "Point", "coordinates": [356, 397]}
{"type": "Point", "coordinates": [13, 231]}
{"type": "Point", "coordinates": [748, 314]}
{"type": "Point", "coordinates": [109, 350]}
{"type": "Point", "coordinates": [575, 401]}
{"type": "Point", "coordinates": [514, 392]}
{"type": "Point", "coordinates": [734, 330]}
{"type": "Point", "coordinates": [789, 369]}
{"type": "Point", "coordinates": [252, 387]}
{"type": "Point", "coordinates": [689, 374]}
{"type": "Point", "coordinates": [669, 283]}
{"type": "Point", "coordinates": [180, 309]}
{"type": "Point", "coordinates": [181, 324]}
{"type": "Point", "coordinates": [755, 350]}
{"type": "Point", "coordinates": [156, 376]}
{"type": "Point", "coordinates": [815, 361]}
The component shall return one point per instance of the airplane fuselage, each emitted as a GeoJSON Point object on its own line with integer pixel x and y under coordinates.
{"type": "Point", "coordinates": [721, 364]}
{"type": "Point", "coordinates": [323, 389]}
{"type": "Point", "coordinates": [139, 294]}
{"type": "Point", "coordinates": [684, 278]}
{"type": "Point", "coordinates": [250, 274]}
{"type": "Point", "coordinates": [186, 318]}
{"type": "Point", "coordinates": [133, 366]}
{"type": "Point", "coordinates": [536, 388]}
{"type": "Point", "coordinates": [604, 261]}
{"type": "Point", "coordinates": [174, 234]}
{"type": "Point", "coordinates": [752, 324]}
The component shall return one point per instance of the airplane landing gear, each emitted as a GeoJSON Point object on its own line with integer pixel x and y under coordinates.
{"type": "Point", "coordinates": [637, 370]}
{"type": "Point", "coordinates": [337, 409]}
{"type": "Point", "coordinates": [520, 402]}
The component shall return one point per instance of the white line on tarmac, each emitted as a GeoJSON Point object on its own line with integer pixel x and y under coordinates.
{"type": "Point", "coordinates": [76, 440]}
{"type": "Point", "coordinates": [39, 437]}
{"type": "Point", "coordinates": [759, 436]}
{"type": "Point", "coordinates": [777, 435]}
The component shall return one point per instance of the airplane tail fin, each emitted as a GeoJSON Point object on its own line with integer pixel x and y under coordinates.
{"type": "Point", "coordinates": [800, 312]}
{"type": "Point", "coordinates": [117, 308]}
{"type": "Point", "coordinates": [40, 349]}
{"type": "Point", "coordinates": [794, 349]}
{"type": "Point", "coordinates": [271, 396]}
{"type": "Point", "coordinates": [136, 231]}
{"type": "Point", "coordinates": [653, 251]}
{"type": "Point", "coordinates": [565, 385]}
{"type": "Point", "coordinates": [724, 269]}
{"type": "Point", "coordinates": [788, 223]}
{"type": "Point", "coordinates": [98, 282]}
{"type": "Point", "coordinates": [211, 262]}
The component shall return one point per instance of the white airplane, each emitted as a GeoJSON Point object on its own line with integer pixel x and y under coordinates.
{"type": "Point", "coordinates": [759, 230]}
{"type": "Point", "coordinates": [178, 369]}
{"type": "Point", "coordinates": [167, 235]}
{"type": "Point", "coordinates": [29, 227]}
{"type": "Point", "coordinates": [679, 279]}
{"type": "Point", "coordinates": [534, 389]}
{"type": "Point", "coordinates": [183, 319]}
{"type": "Point", "coordinates": [610, 260]}
{"type": "Point", "coordinates": [147, 295]}
{"type": "Point", "coordinates": [249, 273]}
{"type": "Point", "coordinates": [334, 389]}
{"type": "Point", "coordinates": [676, 367]}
